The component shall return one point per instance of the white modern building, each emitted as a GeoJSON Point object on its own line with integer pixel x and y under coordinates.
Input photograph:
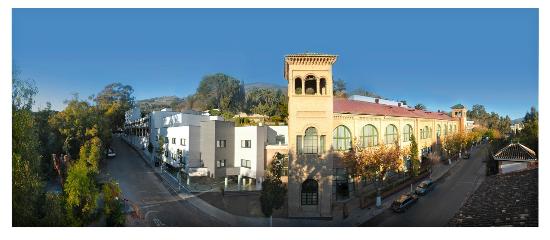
{"type": "Point", "coordinates": [204, 145]}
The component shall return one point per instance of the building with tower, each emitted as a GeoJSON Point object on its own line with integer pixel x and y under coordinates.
{"type": "Point", "coordinates": [320, 126]}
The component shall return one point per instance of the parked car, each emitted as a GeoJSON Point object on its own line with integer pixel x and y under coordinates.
{"type": "Point", "coordinates": [111, 153]}
{"type": "Point", "coordinates": [424, 187]}
{"type": "Point", "coordinates": [403, 202]}
{"type": "Point", "coordinates": [466, 155]}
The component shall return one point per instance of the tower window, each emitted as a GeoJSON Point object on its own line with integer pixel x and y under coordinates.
{"type": "Point", "coordinates": [310, 141]}
{"type": "Point", "coordinates": [311, 85]}
{"type": "Point", "coordinates": [298, 86]}
{"type": "Point", "coordinates": [323, 86]}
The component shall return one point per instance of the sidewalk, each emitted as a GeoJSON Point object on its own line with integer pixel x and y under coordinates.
{"type": "Point", "coordinates": [356, 215]}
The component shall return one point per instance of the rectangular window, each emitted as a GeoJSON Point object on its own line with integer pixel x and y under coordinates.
{"type": "Point", "coordinates": [246, 163]}
{"type": "Point", "coordinates": [182, 141]}
{"type": "Point", "coordinates": [280, 139]}
{"type": "Point", "coordinates": [322, 144]}
{"type": "Point", "coordinates": [173, 140]}
{"type": "Point", "coordinates": [220, 143]}
{"type": "Point", "coordinates": [299, 144]}
{"type": "Point", "coordinates": [246, 143]}
{"type": "Point", "coordinates": [165, 139]}
{"type": "Point", "coordinates": [220, 163]}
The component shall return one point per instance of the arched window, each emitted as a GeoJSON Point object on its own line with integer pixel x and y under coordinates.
{"type": "Point", "coordinates": [445, 131]}
{"type": "Point", "coordinates": [323, 86]}
{"type": "Point", "coordinates": [310, 140]}
{"type": "Point", "coordinates": [369, 136]}
{"type": "Point", "coordinates": [422, 133]}
{"type": "Point", "coordinates": [298, 86]}
{"type": "Point", "coordinates": [311, 85]}
{"type": "Point", "coordinates": [310, 190]}
{"type": "Point", "coordinates": [391, 134]}
{"type": "Point", "coordinates": [407, 132]}
{"type": "Point", "coordinates": [438, 130]}
{"type": "Point", "coordinates": [341, 138]}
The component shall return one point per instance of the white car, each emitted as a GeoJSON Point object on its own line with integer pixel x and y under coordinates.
{"type": "Point", "coordinates": [111, 153]}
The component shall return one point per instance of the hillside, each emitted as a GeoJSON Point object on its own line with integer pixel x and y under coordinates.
{"type": "Point", "coordinates": [157, 103]}
{"type": "Point", "coordinates": [249, 86]}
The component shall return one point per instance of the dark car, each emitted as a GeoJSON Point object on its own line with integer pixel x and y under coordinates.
{"type": "Point", "coordinates": [403, 202]}
{"type": "Point", "coordinates": [424, 187]}
{"type": "Point", "coordinates": [466, 155]}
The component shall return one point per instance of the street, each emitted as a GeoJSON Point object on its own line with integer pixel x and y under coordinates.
{"type": "Point", "coordinates": [157, 205]}
{"type": "Point", "coordinates": [439, 206]}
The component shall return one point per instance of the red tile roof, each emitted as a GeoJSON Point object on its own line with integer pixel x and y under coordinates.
{"type": "Point", "coordinates": [342, 105]}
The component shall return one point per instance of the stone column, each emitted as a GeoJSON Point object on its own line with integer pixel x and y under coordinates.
{"type": "Point", "coordinates": [318, 90]}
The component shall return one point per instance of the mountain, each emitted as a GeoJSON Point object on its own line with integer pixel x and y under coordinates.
{"type": "Point", "coordinates": [158, 103]}
{"type": "Point", "coordinates": [249, 86]}
{"type": "Point", "coordinates": [517, 120]}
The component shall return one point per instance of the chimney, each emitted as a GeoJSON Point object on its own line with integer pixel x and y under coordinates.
{"type": "Point", "coordinates": [399, 104]}
{"type": "Point", "coordinates": [377, 100]}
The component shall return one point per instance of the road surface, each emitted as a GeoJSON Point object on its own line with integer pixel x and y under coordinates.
{"type": "Point", "coordinates": [440, 205]}
{"type": "Point", "coordinates": [157, 205]}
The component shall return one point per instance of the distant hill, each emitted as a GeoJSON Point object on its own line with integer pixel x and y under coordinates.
{"type": "Point", "coordinates": [158, 103]}
{"type": "Point", "coordinates": [517, 120]}
{"type": "Point", "coordinates": [249, 86]}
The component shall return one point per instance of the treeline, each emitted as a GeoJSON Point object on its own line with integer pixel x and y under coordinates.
{"type": "Point", "coordinates": [489, 120]}
{"type": "Point", "coordinates": [82, 132]}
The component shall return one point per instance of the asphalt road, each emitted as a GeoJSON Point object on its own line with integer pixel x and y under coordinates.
{"type": "Point", "coordinates": [157, 205]}
{"type": "Point", "coordinates": [439, 206]}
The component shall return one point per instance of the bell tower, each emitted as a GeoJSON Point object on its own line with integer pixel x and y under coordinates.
{"type": "Point", "coordinates": [310, 120]}
{"type": "Point", "coordinates": [459, 111]}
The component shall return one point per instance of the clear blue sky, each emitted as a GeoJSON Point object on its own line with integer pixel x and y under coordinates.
{"type": "Point", "coordinates": [438, 57]}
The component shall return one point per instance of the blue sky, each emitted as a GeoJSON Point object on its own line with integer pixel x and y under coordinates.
{"type": "Point", "coordinates": [438, 57]}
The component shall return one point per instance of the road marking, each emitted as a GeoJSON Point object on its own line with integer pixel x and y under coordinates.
{"type": "Point", "coordinates": [153, 205]}
{"type": "Point", "coordinates": [158, 222]}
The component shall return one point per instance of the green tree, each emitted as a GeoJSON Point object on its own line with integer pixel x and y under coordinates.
{"type": "Point", "coordinates": [50, 139]}
{"type": "Point", "coordinates": [529, 135]}
{"type": "Point", "coordinates": [54, 210]}
{"type": "Point", "coordinates": [273, 190]}
{"type": "Point", "coordinates": [160, 149]}
{"type": "Point", "coordinates": [222, 92]}
{"type": "Point", "coordinates": [415, 162]}
{"type": "Point", "coordinates": [27, 187]}
{"type": "Point", "coordinates": [114, 100]}
{"type": "Point", "coordinates": [420, 106]}
{"type": "Point", "coordinates": [339, 88]}
{"type": "Point", "coordinates": [81, 194]}
{"type": "Point", "coordinates": [113, 208]}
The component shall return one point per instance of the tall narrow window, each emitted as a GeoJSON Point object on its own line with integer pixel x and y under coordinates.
{"type": "Point", "coordinates": [298, 86]}
{"type": "Point", "coordinates": [407, 132]}
{"type": "Point", "coordinates": [299, 149]}
{"type": "Point", "coordinates": [310, 190]}
{"type": "Point", "coordinates": [426, 132]}
{"type": "Point", "coordinates": [310, 141]}
{"type": "Point", "coordinates": [438, 130]}
{"type": "Point", "coordinates": [391, 134]}
{"type": "Point", "coordinates": [341, 138]}
{"type": "Point", "coordinates": [369, 136]}
{"type": "Point", "coordinates": [323, 86]}
{"type": "Point", "coordinates": [322, 143]}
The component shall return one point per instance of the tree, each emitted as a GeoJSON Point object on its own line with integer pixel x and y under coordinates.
{"type": "Point", "coordinates": [268, 102]}
{"type": "Point", "coordinates": [114, 100]}
{"type": "Point", "coordinates": [82, 194]}
{"type": "Point", "coordinates": [160, 150]}
{"type": "Point", "coordinates": [91, 153]}
{"type": "Point", "coordinates": [339, 88]}
{"type": "Point", "coordinates": [414, 161]}
{"type": "Point", "coordinates": [220, 91]}
{"type": "Point", "coordinates": [529, 134]}
{"type": "Point", "coordinates": [50, 139]}
{"type": "Point", "coordinates": [420, 106]}
{"type": "Point", "coordinates": [363, 92]}
{"type": "Point", "coordinates": [273, 190]}
{"type": "Point", "coordinates": [113, 208]}
{"type": "Point", "coordinates": [26, 180]}
{"type": "Point", "coordinates": [54, 210]}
